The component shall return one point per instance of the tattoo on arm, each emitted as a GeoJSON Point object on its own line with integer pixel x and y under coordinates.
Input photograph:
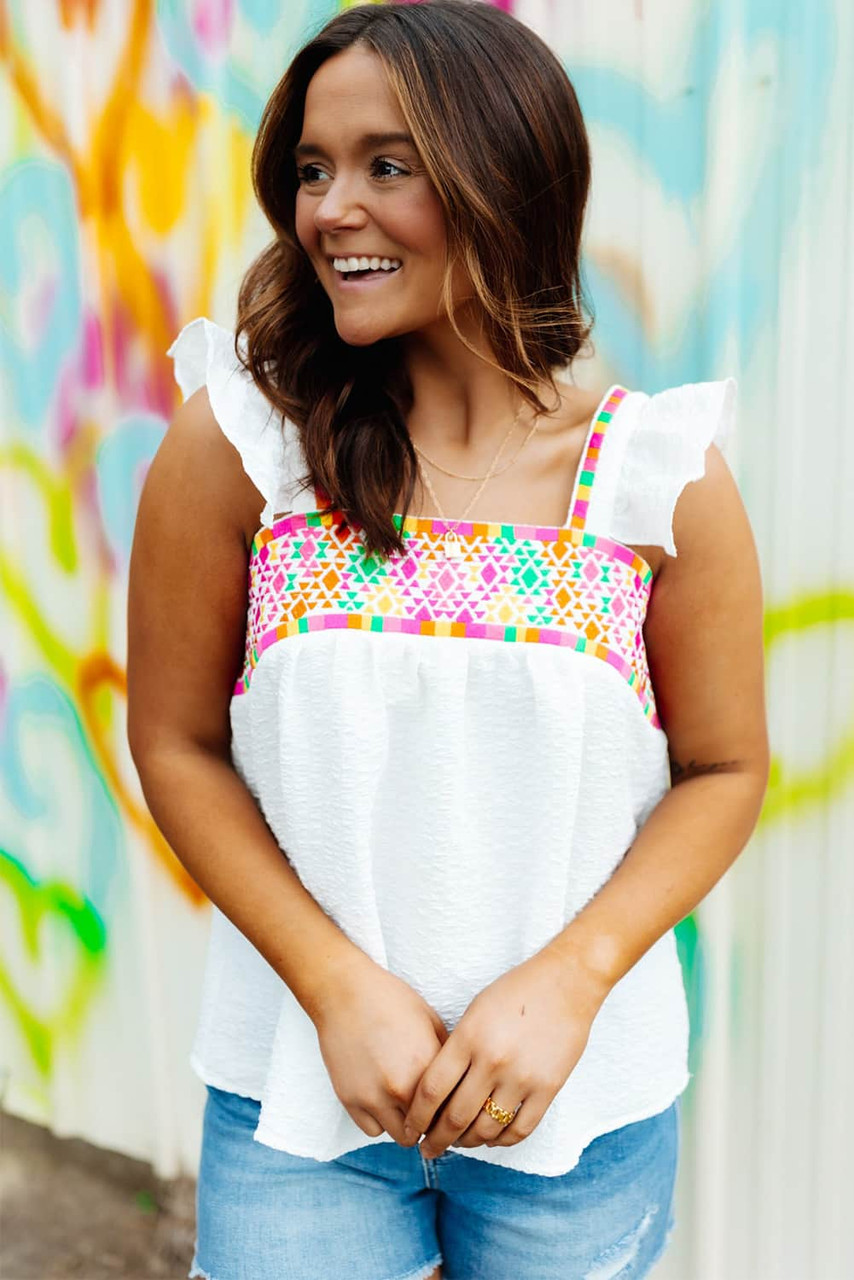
{"type": "Point", "coordinates": [694, 769]}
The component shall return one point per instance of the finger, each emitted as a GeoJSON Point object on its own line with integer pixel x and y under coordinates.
{"type": "Point", "coordinates": [484, 1129]}
{"type": "Point", "coordinates": [439, 1027]}
{"type": "Point", "coordinates": [391, 1119]}
{"type": "Point", "coordinates": [525, 1121]}
{"type": "Point", "coordinates": [366, 1122]}
{"type": "Point", "coordinates": [459, 1113]}
{"type": "Point", "coordinates": [441, 1076]}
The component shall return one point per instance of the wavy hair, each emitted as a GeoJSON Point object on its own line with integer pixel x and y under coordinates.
{"type": "Point", "coordinates": [499, 130]}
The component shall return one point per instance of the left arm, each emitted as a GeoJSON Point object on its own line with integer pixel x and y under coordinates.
{"type": "Point", "coordinates": [703, 635]}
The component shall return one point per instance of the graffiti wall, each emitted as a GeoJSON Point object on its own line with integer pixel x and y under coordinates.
{"type": "Point", "coordinates": [719, 243]}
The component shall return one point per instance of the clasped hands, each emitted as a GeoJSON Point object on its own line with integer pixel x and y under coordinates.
{"type": "Point", "coordinates": [518, 1041]}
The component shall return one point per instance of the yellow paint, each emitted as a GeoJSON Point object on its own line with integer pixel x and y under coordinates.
{"type": "Point", "coordinates": [790, 792]}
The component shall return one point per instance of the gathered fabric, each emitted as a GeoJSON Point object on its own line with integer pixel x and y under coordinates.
{"type": "Point", "coordinates": [453, 754]}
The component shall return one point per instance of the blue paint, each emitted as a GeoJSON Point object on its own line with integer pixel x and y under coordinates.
{"type": "Point", "coordinates": [669, 139]}
{"type": "Point", "coordinates": [39, 228]}
{"type": "Point", "coordinates": [120, 461]}
{"type": "Point", "coordinates": [91, 853]}
{"type": "Point", "coordinates": [243, 89]}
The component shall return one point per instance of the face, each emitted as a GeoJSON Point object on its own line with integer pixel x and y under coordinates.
{"type": "Point", "coordinates": [363, 196]}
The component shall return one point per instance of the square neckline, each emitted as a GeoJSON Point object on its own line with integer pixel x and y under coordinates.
{"type": "Point", "coordinates": [471, 530]}
{"type": "Point", "coordinates": [413, 523]}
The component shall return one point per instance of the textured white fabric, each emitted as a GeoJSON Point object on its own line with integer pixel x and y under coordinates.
{"type": "Point", "coordinates": [658, 445]}
{"type": "Point", "coordinates": [204, 356]}
{"type": "Point", "coordinates": [451, 803]}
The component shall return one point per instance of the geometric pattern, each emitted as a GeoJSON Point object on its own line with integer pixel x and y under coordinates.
{"type": "Point", "coordinates": [517, 583]}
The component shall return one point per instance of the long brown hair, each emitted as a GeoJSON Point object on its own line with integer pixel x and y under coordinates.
{"type": "Point", "coordinates": [500, 133]}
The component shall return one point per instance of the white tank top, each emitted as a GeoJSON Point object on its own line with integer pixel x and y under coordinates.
{"type": "Point", "coordinates": [454, 753]}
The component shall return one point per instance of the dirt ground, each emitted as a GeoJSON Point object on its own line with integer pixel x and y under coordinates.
{"type": "Point", "coordinates": [68, 1209]}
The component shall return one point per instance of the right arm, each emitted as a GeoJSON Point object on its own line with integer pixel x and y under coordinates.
{"type": "Point", "coordinates": [186, 633]}
{"type": "Point", "coordinates": [186, 626]}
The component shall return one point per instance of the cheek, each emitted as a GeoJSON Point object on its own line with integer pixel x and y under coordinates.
{"type": "Point", "coordinates": [420, 222]}
{"type": "Point", "coordinates": [432, 241]}
{"type": "Point", "coordinates": [306, 231]}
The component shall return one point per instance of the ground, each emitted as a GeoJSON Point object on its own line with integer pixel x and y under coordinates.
{"type": "Point", "coordinates": [70, 1210]}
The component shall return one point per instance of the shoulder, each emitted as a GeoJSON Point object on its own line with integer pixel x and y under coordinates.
{"type": "Point", "coordinates": [200, 470]}
{"type": "Point", "coordinates": [210, 373]}
{"type": "Point", "coordinates": [659, 446]}
{"type": "Point", "coordinates": [703, 629]}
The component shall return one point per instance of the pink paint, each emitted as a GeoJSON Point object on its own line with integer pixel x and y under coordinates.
{"type": "Point", "coordinates": [506, 5]}
{"type": "Point", "coordinates": [66, 400]}
{"type": "Point", "coordinates": [212, 21]}
{"type": "Point", "coordinates": [38, 306]}
{"type": "Point", "coordinates": [130, 360]}
{"type": "Point", "coordinates": [92, 356]}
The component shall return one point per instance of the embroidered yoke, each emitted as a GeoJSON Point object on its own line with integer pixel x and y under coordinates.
{"type": "Point", "coordinates": [454, 753]}
{"type": "Point", "coordinates": [517, 583]}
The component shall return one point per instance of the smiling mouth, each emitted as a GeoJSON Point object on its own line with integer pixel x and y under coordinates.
{"type": "Point", "coordinates": [376, 264]}
{"type": "Point", "coordinates": [365, 277]}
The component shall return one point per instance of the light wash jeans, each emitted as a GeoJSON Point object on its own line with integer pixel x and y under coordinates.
{"type": "Point", "coordinates": [383, 1212]}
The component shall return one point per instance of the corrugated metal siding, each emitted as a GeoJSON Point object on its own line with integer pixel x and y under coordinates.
{"type": "Point", "coordinates": [718, 243]}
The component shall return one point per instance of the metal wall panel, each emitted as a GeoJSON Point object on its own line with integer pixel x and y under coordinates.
{"type": "Point", "coordinates": [718, 243]}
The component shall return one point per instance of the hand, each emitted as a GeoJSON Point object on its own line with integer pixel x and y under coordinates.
{"type": "Point", "coordinates": [518, 1040]}
{"type": "Point", "coordinates": [376, 1037]}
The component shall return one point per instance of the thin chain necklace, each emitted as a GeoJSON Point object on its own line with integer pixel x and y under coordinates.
{"type": "Point", "coordinates": [458, 475]}
{"type": "Point", "coordinates": [450, 542]}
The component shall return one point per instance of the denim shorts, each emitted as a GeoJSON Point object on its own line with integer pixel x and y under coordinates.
{"type": "Point", "coordinates": [383, 1212]}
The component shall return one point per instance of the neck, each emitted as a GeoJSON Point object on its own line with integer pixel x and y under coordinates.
{"type": "Point", "coordinates": [462, 406]}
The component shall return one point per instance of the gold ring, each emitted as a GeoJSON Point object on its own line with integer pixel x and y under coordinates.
{"type": "Point", "coordinates": [498, 1113]}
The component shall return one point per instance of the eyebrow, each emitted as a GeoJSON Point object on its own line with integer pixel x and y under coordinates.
{"type": "Point", "coordinates": [367, 140]}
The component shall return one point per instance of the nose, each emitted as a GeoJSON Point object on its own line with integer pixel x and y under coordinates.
{"type": "Point", "coordinates": [339, 207]}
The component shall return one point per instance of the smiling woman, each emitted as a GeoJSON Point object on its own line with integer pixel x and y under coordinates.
{"type": "Point", "coordinates": [433, 770]}
{"type": "Point", "coordinates": [369, 150]}
{"type": "Point", "coordinates": [367, 194]}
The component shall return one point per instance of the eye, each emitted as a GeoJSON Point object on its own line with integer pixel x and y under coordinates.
{"type": "Point", "coordinates": [379, 160]}
{"type": "Point", "coordinates": [306, 172]}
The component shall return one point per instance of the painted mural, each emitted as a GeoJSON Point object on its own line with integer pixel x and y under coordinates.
{"type": "Point", "coordinates": [718, 243]}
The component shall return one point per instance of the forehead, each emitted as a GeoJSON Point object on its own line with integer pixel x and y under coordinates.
{"type": "Point", "coordinates": [348, 95]}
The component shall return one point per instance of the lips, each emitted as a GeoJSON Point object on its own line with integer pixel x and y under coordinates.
{"type": "Point", "coordinates": [368, 279]}
{"type": "Point", "coordinates": [364, 279]}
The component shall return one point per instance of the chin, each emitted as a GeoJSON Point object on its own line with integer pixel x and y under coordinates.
{"type": "Point", "coordinates": [363, 339]}
{"type": "Point", "coordinates": [367, 335]}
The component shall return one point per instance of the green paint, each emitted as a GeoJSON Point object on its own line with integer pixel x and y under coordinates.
{"type": "Point", "coordinates": [689, 946]}
{"type": "Point", "coordinates": [35, 900]}
{"type": "Point", "coordinates": [146, 1202]}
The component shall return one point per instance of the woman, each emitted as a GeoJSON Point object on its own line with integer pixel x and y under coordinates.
{"type": "Point", "coordinates": [504, 733]}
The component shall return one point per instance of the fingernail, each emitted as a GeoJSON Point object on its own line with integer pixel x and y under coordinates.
{"type": "Point", "coordinates": [426, 1152]}
{"type": "Point", "coordinates": [408, 1132]}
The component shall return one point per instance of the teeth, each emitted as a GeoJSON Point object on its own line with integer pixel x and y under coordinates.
{"type": "Point", "coordinates": [366, 264]}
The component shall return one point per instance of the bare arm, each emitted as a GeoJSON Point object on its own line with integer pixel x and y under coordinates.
{"type": "Point", "coordinates": [704, 643]}
{"type": "Point", "coordinates": [186, 625]}
{"type": "Point", "coordinates": [186, 631]}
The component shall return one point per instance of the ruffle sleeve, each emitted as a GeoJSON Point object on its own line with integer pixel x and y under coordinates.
{"type": "Point", "coordinates": [665, 450]}
{"type": "Point", "coordinates": [203, 355]}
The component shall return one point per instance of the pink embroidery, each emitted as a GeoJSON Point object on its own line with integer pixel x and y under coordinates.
{"type": "Point", "coordinates": [528, 584]}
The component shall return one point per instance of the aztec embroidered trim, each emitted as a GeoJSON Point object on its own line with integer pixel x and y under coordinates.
{"type": "Point", "coordinates": [584, 483]}
{"type": "Point", "coordinates": [551, 585]}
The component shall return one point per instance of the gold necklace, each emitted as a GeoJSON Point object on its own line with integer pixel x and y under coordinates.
{"type": "Point", "coordinates": [450, 541]}
{"type": "Point", "coordinates": [457, 475]}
